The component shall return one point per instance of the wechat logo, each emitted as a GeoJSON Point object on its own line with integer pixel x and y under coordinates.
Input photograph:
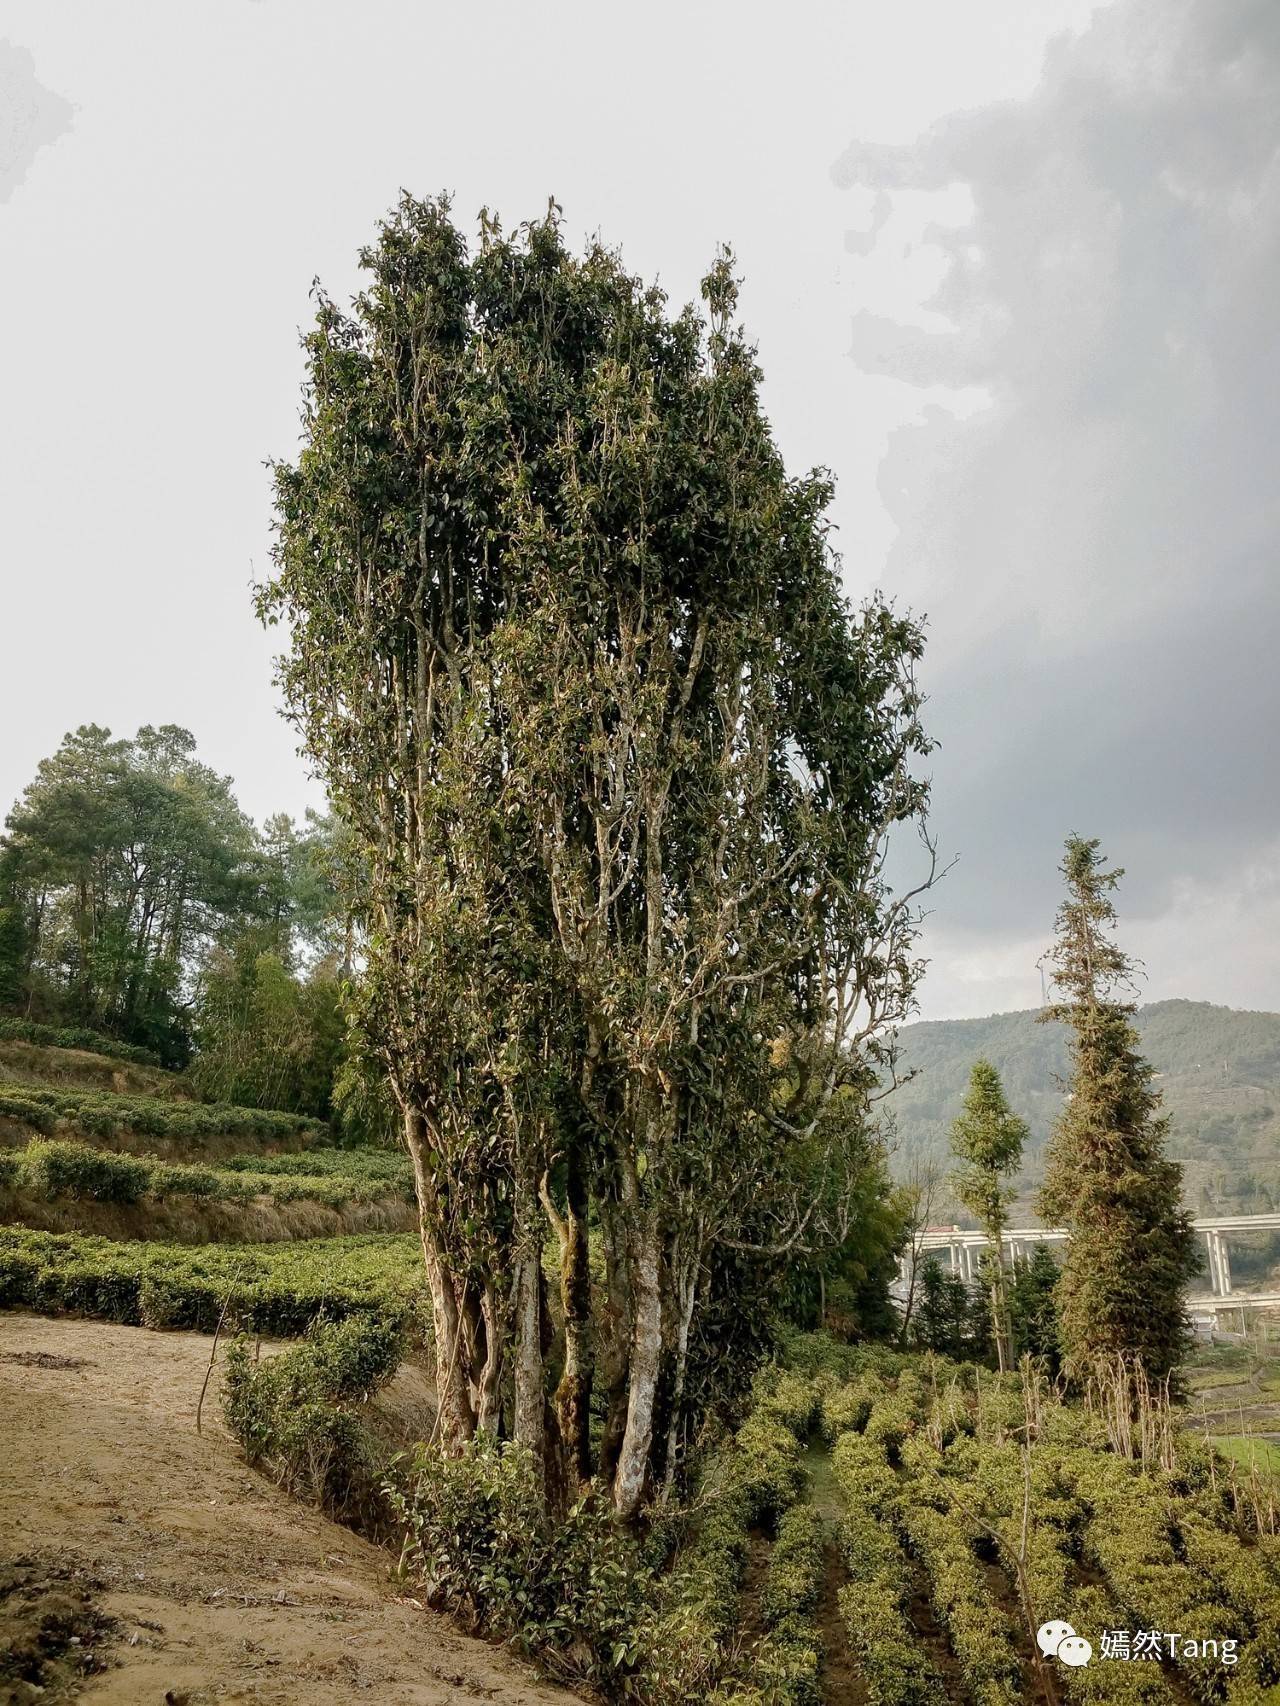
{"type": "Point", "coordinates": [1059, 1640]}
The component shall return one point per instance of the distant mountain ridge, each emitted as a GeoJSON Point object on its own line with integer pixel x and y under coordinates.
{"type": "Point", "coordinates": [1218, 1070]}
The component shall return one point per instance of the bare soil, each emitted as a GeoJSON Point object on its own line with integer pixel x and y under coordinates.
{"type": "Point", "coordinates": [842, 1685]}
{"type": "Point", "coordinates": [1002, 1585]}
{"type": "Point", "coordinates": [135, 1544]}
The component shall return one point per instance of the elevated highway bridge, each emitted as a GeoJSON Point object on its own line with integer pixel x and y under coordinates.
{"type": "Point", "coordinates": [963, 1248]}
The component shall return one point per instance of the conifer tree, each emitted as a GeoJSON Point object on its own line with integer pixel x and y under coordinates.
{"type": "Point", "coordinates": [1107, 1179]}
{"type": "Point", "coordinates": [1032, 1310]}
{"type": "Point", "coordinates": [943, 1319]}
{"type": "Point", "coordinates": [987, 1141]}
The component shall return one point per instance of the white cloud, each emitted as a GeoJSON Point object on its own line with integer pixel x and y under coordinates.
{"type": "Point", "coordinates": [31, 116]}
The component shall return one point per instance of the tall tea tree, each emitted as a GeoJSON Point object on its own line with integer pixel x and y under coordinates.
{"type": "Point", "coordinates": [987, 1141]}
{"type": "Point", "coordinates": [570, 648]}
{"type": "Point", "coordinates": [1132, 1250]}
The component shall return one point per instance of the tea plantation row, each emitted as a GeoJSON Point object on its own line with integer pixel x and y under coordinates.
{"type": "Point", "coordinates": [103, 1113]}
{"type": "Point", "coordinates": [273, 1289]}
{"type": "Point", "coordinates": [56, 1168]}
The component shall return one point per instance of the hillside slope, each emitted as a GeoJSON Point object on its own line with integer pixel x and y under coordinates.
{"type": "Point", "coordinates": [219, 1586]}
{"type": "Point", "coordinates": [1219, 1072]}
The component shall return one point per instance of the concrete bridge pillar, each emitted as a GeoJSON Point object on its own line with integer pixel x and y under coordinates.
{"type": "Point", "coordinates": [1219, 1264]}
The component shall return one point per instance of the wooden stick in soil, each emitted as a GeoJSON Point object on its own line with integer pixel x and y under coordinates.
{"type": "Point", "coordinates": [222, 1315]}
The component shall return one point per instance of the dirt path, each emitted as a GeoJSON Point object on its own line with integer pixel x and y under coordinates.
{"type": "Point", "coordinates": [842, 1683]}
{"type": "Point", "coordinates": [222, 1588]}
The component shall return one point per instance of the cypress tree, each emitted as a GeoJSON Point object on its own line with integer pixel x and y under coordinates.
{"type": "Point", "coordinates": [1032, 1310]}
{"type": "Point", "coordinates": [1120, 1296]}
{"type": "Point", "coordinates": [987, 1141]}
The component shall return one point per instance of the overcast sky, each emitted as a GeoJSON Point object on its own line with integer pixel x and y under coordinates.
{"type": "Point", "coordinates": [1012, 266]}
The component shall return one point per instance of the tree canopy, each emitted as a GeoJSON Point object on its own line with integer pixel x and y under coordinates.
{"type": "Point", "coordinates": [570, 650]}
{"type": "Point", "coordinates": [138, 901]}
{"type": "Point", "coordinates": [120, 860]}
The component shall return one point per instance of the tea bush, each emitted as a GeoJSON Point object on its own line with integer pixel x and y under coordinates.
{"type": "Point", "coordinates": [73, 1036]}
{"type": "Point", "coordinates": [477, 1536]}
{"type": "Point", "coordinates": [990, 1472]}
{"type": "Point", "coordinates": [15, 1104]}
{"type": "Point", "coordinates": [874, 1603]}
{"type": "Point", "coordinates": [750, 1482]}
{"type": "Point", "coordinates": [55, 1167]}
{"type": "Point", "coordinates": [787, 1397]}
{"type": "Point", "coordinates": [794, 1581]}
{"type": "Point", "coordinates": [1244, 1582]}
{"type": "Point", "coordinates": [105, 1114]}
{"type": "Point", "coordinates": [788, 1661]}
{"type": "Point", "coordinates": [1129, 1536]}
{"type": "Point", "coordinates": [383, 1166]}
{"type": "Point", "coordinates": [291, 1413]}
{"type": "Point", "coordinates": [819, 1353]}
{"type": "Point", "coordinates": [930, 1461]}
{"type": "Point", "coordinates": [60, 1167]}
{"type": "Point", "coordinates": [891, 1421]}
{"type": "Point", "coordinates": [274, 1289]}
{"type": "Point", "coordinates": [767, 1468]}
{"type": "Point", "coordinates": [847, 1408]}
{"type": "Point", "coordinates": [786, 1666]}
{"type": "Point", "coordinates": [978, 1630]}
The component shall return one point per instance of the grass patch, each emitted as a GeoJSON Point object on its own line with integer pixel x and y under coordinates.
{"type": "Point", "coordinates": [1250, 1453]}
{"type": "Point", "coordinates": [1209, 1381]}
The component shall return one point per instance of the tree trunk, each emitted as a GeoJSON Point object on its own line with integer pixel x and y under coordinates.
{"type": "Point", "coordinates": [455, 1420]}
{"type": "Point", "coordinates": [487, 1397]}
{"type": "Point", "coordinates": [615, 1334]}
{"type": "Point", "coordinates": [646, 1354]}
{"type": "Point", "coordinates": [1000, 1312]}
{"type": "Point", "coordinates": [573, 1394]}
{"type": "Point", "coordinates": [530, 1406]}
{"type": "Point", "coordinates": [686, 1293]}
{"type": "Point", "coordinates": [529, 1425]}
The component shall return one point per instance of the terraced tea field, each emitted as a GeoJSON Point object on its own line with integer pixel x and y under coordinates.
{"type": "Point", "coordinates": [896, 1531]}
{"type": "Point", "coordinates": [880, 1529]}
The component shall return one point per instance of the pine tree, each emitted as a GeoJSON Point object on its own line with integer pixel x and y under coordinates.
{"type": "Point", "coordinates": [1107, 1181]}
{"type": "Point", "coordinates": [16, 931]}
{"type": "Point", "coordinates": [987, 1141]}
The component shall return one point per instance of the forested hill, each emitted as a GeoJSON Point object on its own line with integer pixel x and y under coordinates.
{"type": "Point", "coordinates": [1219, 1071]}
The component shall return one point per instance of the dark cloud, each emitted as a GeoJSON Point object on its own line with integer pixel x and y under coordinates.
{"type": "Point", "coordinates": [31, 116]}
{"type": "Point", "coordinates": [1097, 550]}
